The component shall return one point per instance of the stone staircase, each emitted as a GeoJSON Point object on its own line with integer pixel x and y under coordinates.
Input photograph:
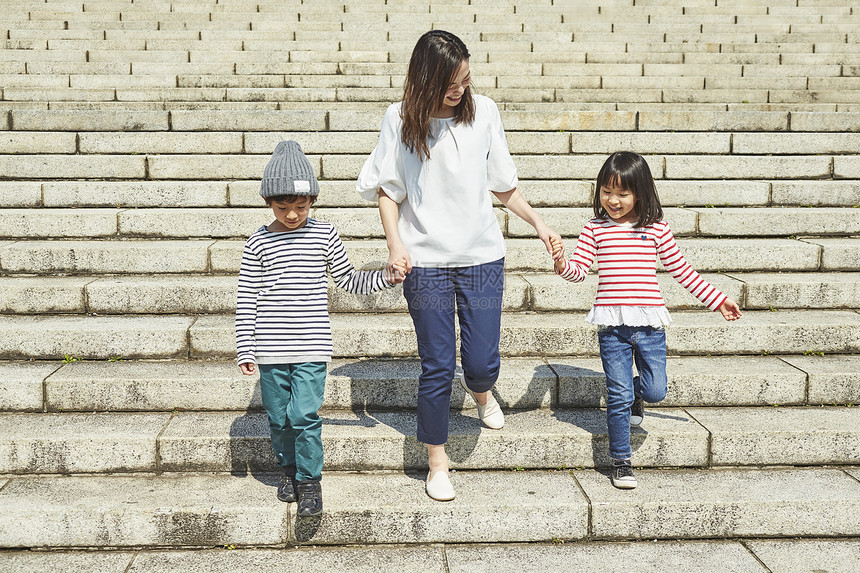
{"type": "Point", "coordinates": [132, 139]}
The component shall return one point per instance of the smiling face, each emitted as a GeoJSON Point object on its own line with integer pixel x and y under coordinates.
{"type": "Point", "coordinates": [290, 215]}
{"type": "Point", "coordinates": [456, 88]}
{"type": "Point", "coordinates": [619, 203]}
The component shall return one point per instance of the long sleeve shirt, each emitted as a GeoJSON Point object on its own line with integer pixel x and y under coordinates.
{"type": "Point", "coordinates": [282, 302]}
{"type": "Point", "coordinates": [627, 265]}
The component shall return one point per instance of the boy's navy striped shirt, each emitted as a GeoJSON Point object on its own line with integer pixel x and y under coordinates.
{"type": "Point", "coordinates": [282, 303]}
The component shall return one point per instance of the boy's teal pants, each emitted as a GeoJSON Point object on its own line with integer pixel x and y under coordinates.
{"type": "Point", "coordinates": [292, 395]}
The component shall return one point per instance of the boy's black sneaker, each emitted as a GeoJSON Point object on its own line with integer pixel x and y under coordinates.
{"type": "Point", "coordinates": [622, 474]}
{"type": "Point", "coordinates": [287, 487]}
{"type": "Point", "coordinates": [637, 412]}
{"type": "Point", "coordinates": [310, 498]}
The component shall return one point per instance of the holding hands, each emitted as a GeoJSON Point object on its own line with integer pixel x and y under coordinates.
{"type": "Point", "coordinates": [395, 272]}
{"type": "Point", "coordinates": [557, 253]}
{"type": "Point", "coordinates": [548, 236]}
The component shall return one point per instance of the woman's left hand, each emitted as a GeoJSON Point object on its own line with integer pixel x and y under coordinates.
{"type": "Point", "coordinates": [548, 236]}
{"type": "Point", "coordinates": [515, 201]}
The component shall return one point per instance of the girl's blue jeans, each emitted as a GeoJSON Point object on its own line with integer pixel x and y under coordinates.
{"type": "Point", "coordinates": [292, 394]}
{"type": "Point", "coordinates": [433, 295]}
{"type": "Point", "coordinates": [621, 347]}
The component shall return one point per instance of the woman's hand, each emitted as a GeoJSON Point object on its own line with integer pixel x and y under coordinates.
{"type": "Point", "coordinates": [550, 238]}
{"type": "Point", "coordinates": [398, 256]}
{"type": "Point", "coordinates": [558, 254]}
{"type": "Point", "coordinates": [248, 368]}
{"type": "Point", "coordinates": [395, 273]}
{"type": "Point", "coordinates": [730, 310]}
{"type": "Point", "coordinates": [518, 205]}
{"type": "Point", "coordinates": [399, 262]}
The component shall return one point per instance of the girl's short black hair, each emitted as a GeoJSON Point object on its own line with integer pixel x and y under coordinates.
{"type": "Point", "coordinates": [289, 198]}
{"type": "Point", "coordinates": [630, 171]}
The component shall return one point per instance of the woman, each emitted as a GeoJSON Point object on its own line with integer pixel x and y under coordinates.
{"type": "Point", "coordinates": [440, 150]}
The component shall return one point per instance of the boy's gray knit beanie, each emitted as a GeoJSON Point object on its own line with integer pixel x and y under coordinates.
{"type": "Point", "coordinates": [289, 172]}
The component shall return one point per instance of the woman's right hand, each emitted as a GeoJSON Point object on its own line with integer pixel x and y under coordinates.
{"type": "Point", "coordinates": [397, 254]}
{"type": "Point", "coordinates": [389, 213]}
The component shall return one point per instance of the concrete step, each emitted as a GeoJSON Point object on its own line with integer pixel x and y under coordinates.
{"type": "Point", "coordinates": [524, 383]}
{"type": "Point", "coordinates": [20, 141]}
{"type": "Point", "coordinates": [363, 222]}
{"type": "Point", "coordinates": [181, 294]}
{"type": "Point", "coordinates": [392, 335]}
{"type": "Point", "coordinates": [758, 291]}
{"type": "Point", "coordinates": [717, 222]}
{"type": "Point", "coordinates": [373, 440]}
{"type": "Point", "coordinates": [734, 441]}
{"type": "Point", "coordinates": [583, 85]}
{"type": "Point", "coordinates": [348, 116]}
{"type": "Point", "coordinates": [346, 167]}
{"type": "Point", "coordinates": [540, 192]}
{"type": "Point", "coordinates": [220, 510]}
{"type": "Point", "coordinates": [558, 334]}
{"type": "Point", "coordinates": [202, 256]}
{"type": "Point", "coordinates": [729, 556]}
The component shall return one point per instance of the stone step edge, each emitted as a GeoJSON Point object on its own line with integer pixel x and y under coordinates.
{"type": "Point", "coordinates": [217, 510]}
{"type": "Point", "coordinates": [215, 294]}
{"type": "Point", "coordinates": [566, 437]}
{"type": "Point", "coordinates": [526, 383]}
{"type": "Point", "coordinates": [744, 554]}
{"type": "Point", "coordinates": [523, 334]}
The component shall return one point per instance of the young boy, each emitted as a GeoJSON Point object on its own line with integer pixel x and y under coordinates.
{"type": "Point", "coordinates": [282, 321]}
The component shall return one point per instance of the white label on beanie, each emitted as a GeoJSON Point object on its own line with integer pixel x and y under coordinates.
{"type": "Point", "coordinates": [302, 186]}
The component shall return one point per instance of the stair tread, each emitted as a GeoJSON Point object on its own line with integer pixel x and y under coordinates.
{"type": "Point", "coordinates": [392, 384]}
{"type": "Point", "coordinates": [165, 294]}
{"type": "Point", "coordinates": [371, 440]}
{"type": "Point", "coordinates": [172, 510]}
{"type": "Point", "coordinates": [729, 556]}
{"type": "Point", "coordinates": [392, 335]}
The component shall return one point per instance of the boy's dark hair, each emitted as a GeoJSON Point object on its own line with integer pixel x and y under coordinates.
{"type": "Point", "coordinates": [435, 59]}
{"type": "Point", "coordinates": [630, 171]}
{"type": "Point", "coordinates": [289, 198]}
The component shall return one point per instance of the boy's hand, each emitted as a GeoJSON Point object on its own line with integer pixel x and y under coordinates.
{"type": "Point", "coordinates": [730, 310]}
{"type": "Point", "coordinates": [395, 273]}
{"type": "Point", "coordinates": [248, 368]}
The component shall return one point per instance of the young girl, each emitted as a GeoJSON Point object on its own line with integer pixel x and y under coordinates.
{"type": "Point", "coordinates": [439, 153]}
{"type": "Point", "coordinates": [627, 236]}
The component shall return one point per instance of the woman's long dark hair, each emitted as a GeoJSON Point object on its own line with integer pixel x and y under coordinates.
{"type": "Point", "coordinates": [630, 171]}
{"type": "Point", "coordinates": [435, 59]}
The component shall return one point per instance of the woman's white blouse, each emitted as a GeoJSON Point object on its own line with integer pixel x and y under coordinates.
{"type": "Point", "coordinates": [446, 211]}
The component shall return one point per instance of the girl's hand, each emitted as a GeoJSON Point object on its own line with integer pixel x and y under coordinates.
{"type": "Point", "coordinates": [248, 368]}
{"type": "Point", "coordinates": [730, 310]}
{"type": "Point", "coordinates": [548, 236]}
{"type": "Point", "coordinates": [558, 255]}
{"type": "Point", "coordinates": [557, 249]}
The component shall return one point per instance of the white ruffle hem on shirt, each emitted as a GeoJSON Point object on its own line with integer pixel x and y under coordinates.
{"type": "Point", "coordinates": [654, 316]}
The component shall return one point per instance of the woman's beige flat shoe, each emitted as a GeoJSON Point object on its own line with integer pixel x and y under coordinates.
{"type": "Point", "coordinates": [490, 413]}
{"type": "Point", "coordinates": [439, 487]}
